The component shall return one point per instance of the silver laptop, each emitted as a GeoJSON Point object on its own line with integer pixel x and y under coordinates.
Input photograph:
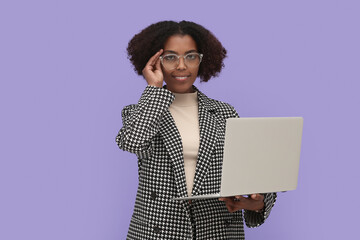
{"type": "Point", "coordinates": [261, 155]}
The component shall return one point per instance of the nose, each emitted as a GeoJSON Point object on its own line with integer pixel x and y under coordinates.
{"type": "Point", "coordinates": [181, 65]}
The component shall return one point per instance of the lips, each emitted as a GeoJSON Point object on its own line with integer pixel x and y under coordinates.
{"type": "Point", "coordinates": [181, 78]}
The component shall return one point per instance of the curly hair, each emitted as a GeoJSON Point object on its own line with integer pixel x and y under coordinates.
{"type": "Point", "coordinates": [151, 39]}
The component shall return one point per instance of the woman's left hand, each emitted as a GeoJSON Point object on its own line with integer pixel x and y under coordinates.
{"type": "Point", "coordinates": [255, 202]}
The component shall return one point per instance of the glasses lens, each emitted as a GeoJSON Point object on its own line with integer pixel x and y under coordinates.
{"type": "Point", "coordinates": [192, 60]}
{"type": "Point", "coordinates": [170, 61]}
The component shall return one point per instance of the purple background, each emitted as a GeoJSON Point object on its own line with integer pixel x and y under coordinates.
{"type": "Point", "coordinates": [65, 78]}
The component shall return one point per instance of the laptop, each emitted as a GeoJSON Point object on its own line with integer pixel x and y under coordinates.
{"type": "Point", "coordinates": [261, 155]}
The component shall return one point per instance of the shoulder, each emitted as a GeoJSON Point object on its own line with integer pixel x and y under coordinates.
{"type": "Point", "coordinates": [151, 99]}
{"type": "Point", "coordinates": [224, 108]}
{"type": "Point", "coordinates": [219, 107]}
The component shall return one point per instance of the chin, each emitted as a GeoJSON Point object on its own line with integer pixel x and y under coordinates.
{"type": "Point", "coordinates": [181, 89]}
{"type": "Point", "coordinates": [179, 86]}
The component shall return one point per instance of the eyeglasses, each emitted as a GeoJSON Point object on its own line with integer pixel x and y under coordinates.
{"type": "Point", "coordinates": [172, 60]}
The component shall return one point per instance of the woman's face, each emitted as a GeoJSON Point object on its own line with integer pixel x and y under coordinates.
{"type": "Point", "coordinates": [181, 78]}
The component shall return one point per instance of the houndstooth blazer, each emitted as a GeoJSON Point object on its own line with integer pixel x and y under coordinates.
{"type": "Point", "coordinates": [150, 132]}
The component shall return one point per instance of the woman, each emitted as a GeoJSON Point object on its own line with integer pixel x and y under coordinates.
{"type": "Point", "coordinates": [177, 133]}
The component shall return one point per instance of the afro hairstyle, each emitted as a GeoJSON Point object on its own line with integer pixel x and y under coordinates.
{"type": "Point", "coordinates": [151, 39]}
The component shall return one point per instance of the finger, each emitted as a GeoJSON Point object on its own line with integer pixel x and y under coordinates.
{"type": "Point", "coordinates": [229, 204]}
{"type": "Point", "coordinates": [237, 202]}
{"type": "Point", "coordinates": [156, 58]}
{"type": "Point", "coordinates": [157, 64]}
{"type": "Point", "coordinates": [233, 206]}
{"type": "Point", "coordinates": [253, 196]}
{"type": "Point", "coordinates": [257, 196]}
{"type": "Point", "coordinates": [225, 199]}
{"type": "Point", "coordinates": [239, 197]}
{"type": "Point", "coordinates": [153, 59]}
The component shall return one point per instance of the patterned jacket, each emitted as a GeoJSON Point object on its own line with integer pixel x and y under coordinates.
{"type": "Point", "coordinates": [150, 132]}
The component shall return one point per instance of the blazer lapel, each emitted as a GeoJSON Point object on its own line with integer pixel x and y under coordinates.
{"type": "Point", "coordinates": [173, 144]}
{"type": "Point", "coordinates": [208, 137]}
{"type": "Point", "coordinates": [208, 124]}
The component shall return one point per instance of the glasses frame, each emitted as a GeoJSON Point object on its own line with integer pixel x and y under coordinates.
{"type": "Point", "coordinates": [178, 58]}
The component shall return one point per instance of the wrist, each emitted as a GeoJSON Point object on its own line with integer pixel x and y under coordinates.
{"type": "Point", "coordinates": [156, 85]}
{"type": "Point", "coordinates": [259, 210]}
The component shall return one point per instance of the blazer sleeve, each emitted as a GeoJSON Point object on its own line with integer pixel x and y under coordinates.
{"type": "Point", "coordinates": [141, 121]}
{"type": "Point", "coordinates": [252, 218]}
{"type": "Point", "coordinates": [255, 219]}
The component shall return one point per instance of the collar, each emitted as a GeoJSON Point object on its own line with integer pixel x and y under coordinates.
{"type": "Point", "coordinates": [204, 101]}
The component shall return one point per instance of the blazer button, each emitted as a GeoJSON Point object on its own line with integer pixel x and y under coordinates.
{"type": "Point", "coordinates": [153, 195]}
{"type": "Point", "coordinates": [157, 229]}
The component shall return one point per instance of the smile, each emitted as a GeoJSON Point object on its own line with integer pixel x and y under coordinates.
{"type": "Point", "coordinates": [181, 77]}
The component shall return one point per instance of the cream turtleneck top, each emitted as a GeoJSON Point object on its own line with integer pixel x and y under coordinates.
{"type": "Point", "coordinates": [184, 110]}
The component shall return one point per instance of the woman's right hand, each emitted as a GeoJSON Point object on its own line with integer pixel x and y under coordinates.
{"type": "Point", "coordinates": [152, 71]}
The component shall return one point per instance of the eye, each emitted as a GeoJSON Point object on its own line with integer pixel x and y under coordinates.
{"type": "Point", "coordinates": [191, 56]}
{"type": "Point", "coordinates": [169, 57]}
